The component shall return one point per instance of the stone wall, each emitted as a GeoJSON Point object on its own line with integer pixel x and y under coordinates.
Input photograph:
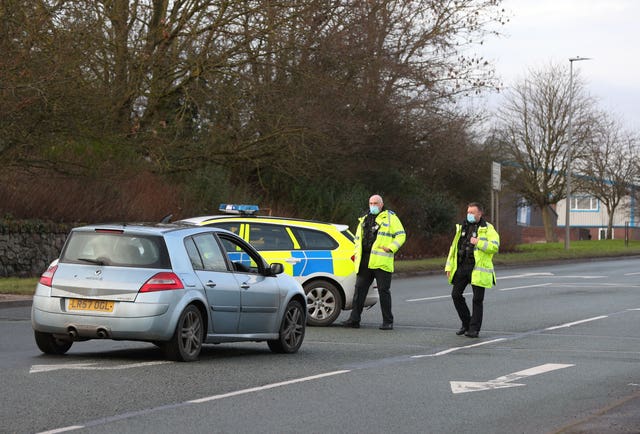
{"type": "Point", "coordinates": [28, 247]}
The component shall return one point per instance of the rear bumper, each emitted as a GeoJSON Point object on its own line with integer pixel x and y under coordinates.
{"type": "Point", "coordinates": [133, 321]}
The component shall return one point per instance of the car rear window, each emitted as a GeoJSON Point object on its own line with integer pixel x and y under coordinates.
{"type": "Point", "coordinates": [117, 249]}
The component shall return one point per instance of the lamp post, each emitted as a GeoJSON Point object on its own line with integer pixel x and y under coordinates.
{"type": "Point", "coordinates": [567, 222]}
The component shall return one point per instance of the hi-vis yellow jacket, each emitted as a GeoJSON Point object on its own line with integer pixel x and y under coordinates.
{"type": "Point", "coordinates": [489, 242]}
{"type": "Point", "coordinates": [391, 234]}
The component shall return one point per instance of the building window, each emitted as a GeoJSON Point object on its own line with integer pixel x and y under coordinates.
{"type": "Point", "coordinates": [524, 213]}
{"type": "Point", "coordinates": [584, 203]}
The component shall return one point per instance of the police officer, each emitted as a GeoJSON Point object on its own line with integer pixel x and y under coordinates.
{"type": "Point", "coordinates": [379, 236]}
{"type": "Point", "coordinates": [470, 261]}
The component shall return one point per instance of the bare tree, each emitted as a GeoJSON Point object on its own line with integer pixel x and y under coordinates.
{"type": "Point", "coordinates": [608, 165]}
{"type": "Point", "coordinates": [532, 130]}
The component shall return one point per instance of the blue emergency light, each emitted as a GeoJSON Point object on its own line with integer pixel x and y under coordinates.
{"type": "Point", "coordinates": [231, 208]}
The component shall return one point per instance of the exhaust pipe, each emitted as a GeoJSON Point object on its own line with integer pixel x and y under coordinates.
{"type": "Point", "coordinates": [102, 333]}
{"type": "Point", "coordinates": [73, 333]}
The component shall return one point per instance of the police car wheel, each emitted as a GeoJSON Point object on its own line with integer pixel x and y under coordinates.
{"type": "Point", "coordinates": [324, 303]}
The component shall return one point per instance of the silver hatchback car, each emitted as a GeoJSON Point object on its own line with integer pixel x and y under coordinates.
{"type": "Point", "coordinates": [173, 285]}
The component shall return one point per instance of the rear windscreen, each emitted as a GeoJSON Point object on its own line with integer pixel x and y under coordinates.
{"type": "Point", "coordinates": [116, 249]}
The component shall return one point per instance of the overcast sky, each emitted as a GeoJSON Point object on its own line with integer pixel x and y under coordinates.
{"type": "Point", "coordinates": [544, 31]}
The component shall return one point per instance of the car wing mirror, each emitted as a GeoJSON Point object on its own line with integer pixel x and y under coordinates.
{"type": "Point", "coordinates": [276, 268]}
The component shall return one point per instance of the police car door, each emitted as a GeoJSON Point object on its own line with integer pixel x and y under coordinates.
{"type": "Point", "coordinates": [276, 244]}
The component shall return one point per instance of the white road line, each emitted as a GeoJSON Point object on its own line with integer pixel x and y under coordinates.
{"type": "Point", "coordinates": [517, 276]}
{"type": "Point", "coordinates": [576, 322]}
{"type": "Point", "coordinates": [91, 366]}
{"type": "Point", "coordinates": [630, 274]}
{"type": "Point", "coordinates": [451, 350]}
{"type": "Point", "coordinates": [265, 387]}
{"type": "Point", "coordinates": [428, 298]}
{"type": "Point", "coordinates": [522, 287]}
{"type": "Point", "coordinates": [129, 415]}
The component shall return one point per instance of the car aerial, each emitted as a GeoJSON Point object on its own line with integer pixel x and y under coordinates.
{"type": "Point", "coordinates": [318, 254]}
{"type": "Point", "coordinates": [176, 286]}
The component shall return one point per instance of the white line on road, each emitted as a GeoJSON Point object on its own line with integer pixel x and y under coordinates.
{"type": "Point", "coordinates": [90, 366]}
{"type": "Point", "coordinates": [451, 350]}
{"type": "Point", "coordinates": [569, 324]}
{"type": "Point", "coordinates": [129, 415]}
{"type": "Point", "coordinates": [428, 298]}
{"type": "Point", "coordinates": [523, 287]}
{"type": "Point", "coordinates": [268, 386]}
{"type": "Point", "coordinates": [517, 276]}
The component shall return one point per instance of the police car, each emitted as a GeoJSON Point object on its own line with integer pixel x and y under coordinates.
{"type": "Point", "coordinates": [318, 254]}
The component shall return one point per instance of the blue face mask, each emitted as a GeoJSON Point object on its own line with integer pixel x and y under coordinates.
{"type": "Point", "coordinates": [471, 218]}
{"type": "Point", "coordinates": [373, 209]}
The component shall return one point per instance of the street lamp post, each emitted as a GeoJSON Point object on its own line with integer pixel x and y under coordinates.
{"type": "Point", "coordinates": [567, 222]}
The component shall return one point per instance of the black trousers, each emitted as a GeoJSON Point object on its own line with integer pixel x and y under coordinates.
{"type": "Point", "coordinates": [470, 321]}
{"type": "Point", "coordinates": [364, 279]}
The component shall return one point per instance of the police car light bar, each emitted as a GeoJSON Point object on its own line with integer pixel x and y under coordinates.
{"type": "Point", "coordinates": [231, 208]}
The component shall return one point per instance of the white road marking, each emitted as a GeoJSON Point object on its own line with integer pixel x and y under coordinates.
{"type": "Point", "coordinates": [506, 380]}
{"type": "Point", "coordinates": [268, 386]}
{"type": "Point", "coordinates": [630, 274]}
{"type": "Point", "coordinates": [90, 366]}
{"type": "Point", "coordinates": [517, 276]}
{"type": "Point", "coordinates": [523, 287]}
{"type": "Point", "coordinates": [569, 324]}
{"type": "Point", "coordinates": [129, 415]}
{"type": "Point", "coordinates": [428, 298]}
{"type": "Point", "coordinates": [451, 350]}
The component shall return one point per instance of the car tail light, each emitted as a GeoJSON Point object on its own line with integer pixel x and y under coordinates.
{"type": "Point", "coordinates": [162, 282]}
{"type": "Point", "coordinates": [47, 277]}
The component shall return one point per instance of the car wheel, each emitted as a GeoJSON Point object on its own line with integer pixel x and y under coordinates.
{"type": "Point", "coordinates": [49, 344]}
{"type": "Point", "coordinates": [324, 303]}
{"type": "Point", "coordinates": [292, 329]}
{"type": "Point", "coordinates": [186, 343]}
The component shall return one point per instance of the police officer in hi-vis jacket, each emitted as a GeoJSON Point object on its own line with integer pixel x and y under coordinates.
{"type": "Point", "coordinates": [379, 236]}
{"type": "Point", "coordinates": [470, 261]}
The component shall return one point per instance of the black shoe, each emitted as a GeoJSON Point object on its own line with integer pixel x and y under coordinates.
{"type": "Point", "coordinates": [386, 326]}
{"type": "Point", "coordinates": [351, 323]}
{"type": "Point", "coordinates": [462, 331]}
{"type": "Point", "coordinates": [471, 334]}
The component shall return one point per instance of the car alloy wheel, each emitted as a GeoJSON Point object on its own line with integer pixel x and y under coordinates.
{"type": "Point", "coordinates": [323, 303]}
{"type": "Point", "coordinates": [292, 330]}
{"type": "Point", "coordinates": [186, 343]}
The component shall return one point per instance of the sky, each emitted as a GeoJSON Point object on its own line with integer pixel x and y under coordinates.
{"type": "Point", "coordinates": [541, 32]}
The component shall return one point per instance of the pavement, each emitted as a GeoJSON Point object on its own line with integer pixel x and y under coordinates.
{"type": "Point", "coordinates": [622, 416]}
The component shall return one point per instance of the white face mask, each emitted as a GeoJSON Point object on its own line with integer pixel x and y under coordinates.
{"type": "Point", "coordinates": [373, 209]}
{"type": "Point", "coordinates": [471, 218]}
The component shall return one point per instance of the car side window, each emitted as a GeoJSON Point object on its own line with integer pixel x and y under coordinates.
{"type": "Point", "coordinates": [242, 259]}
{"type": "Point", "coordinates": [211, 257]}
{"type": "Point", "coordinates": [194, 255]}
{"type": "Point", "coordinates": [310, 239]}
{"type": "Point", "coordinates": [269, 237]}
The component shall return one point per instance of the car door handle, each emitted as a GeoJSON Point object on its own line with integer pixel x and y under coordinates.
{"type": "Point", "coordinates": [210, 284]}
{"type": "Point", "coordinates": [245, 286]}
{"type": "Point", "coordinates": [293, 260]}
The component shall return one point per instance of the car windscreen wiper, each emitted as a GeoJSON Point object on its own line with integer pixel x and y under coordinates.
{"type": "Point", "coordinates": [92, 261]}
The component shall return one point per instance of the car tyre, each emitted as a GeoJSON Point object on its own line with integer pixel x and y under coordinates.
{"type": "Point", "coordinates": [186, 343]}
{"type": "Point", "coordinates": [49, 344]}
{"type": "Point", "coordinates": [292, 328]}
{"type": "Point", "coordinates": [324, 303]}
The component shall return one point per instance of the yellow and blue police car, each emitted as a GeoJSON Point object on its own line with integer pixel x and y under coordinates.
{"type": "Point", "coordinates": [318, 254]}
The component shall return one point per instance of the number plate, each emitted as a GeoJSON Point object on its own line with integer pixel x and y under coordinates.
{"type": "Point", "coordinates": [92, 305]}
